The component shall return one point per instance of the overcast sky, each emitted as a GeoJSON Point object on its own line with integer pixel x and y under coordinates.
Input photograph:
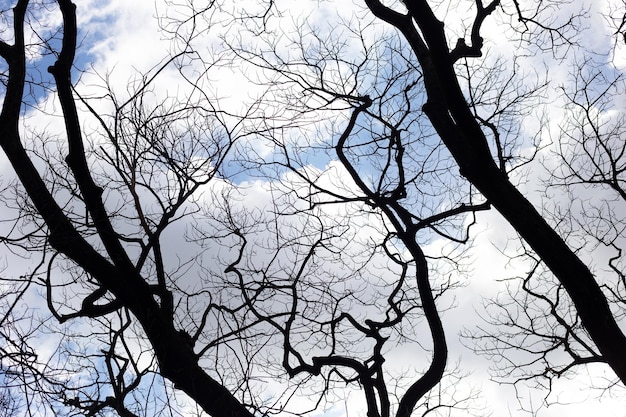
{"type": "Point", "coordinates": [122, 39]}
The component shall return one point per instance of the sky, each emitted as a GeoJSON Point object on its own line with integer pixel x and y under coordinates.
{"type": "Point", "coordinates": [122, 40]}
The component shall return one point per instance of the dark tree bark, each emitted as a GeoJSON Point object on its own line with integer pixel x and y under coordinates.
{"type": "Point", "coordinates": [452, 118]}
{"type": "Point", "coordinates": [124, 284]}
{"type": "Point", "coordinates": [175, 355]}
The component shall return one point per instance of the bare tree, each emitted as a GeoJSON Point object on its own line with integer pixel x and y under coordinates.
{"type": "Point", "coordinates": [120, 270]}
{"type": "Point", "coordinates": [452, 118]}
{"type": "Point", "coordinates": [479, 143]}
{"type": "Point", "coordinates": [314, 294]}
{"type": "Point", "coordinates": [536, 316]}
{"type": "Point", "coordinates": [100, 203]}
{"type": "Point", "coordinates": [477, 114]}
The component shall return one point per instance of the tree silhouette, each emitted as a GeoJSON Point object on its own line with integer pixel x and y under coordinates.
{"type": "Point", "coordinates": [378, 140]}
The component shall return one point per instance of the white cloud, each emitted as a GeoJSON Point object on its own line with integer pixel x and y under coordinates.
{"type": "Point", "coordinates": [123, 38]}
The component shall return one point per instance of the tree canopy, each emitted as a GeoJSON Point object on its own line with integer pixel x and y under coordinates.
{"type": "Point", "coordinates": [252, 208]}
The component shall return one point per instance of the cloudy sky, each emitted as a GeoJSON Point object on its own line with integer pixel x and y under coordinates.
{"type": "Point", "coordinates": [121, 40]}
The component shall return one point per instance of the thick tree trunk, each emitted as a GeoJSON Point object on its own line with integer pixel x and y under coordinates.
{"type": "Point", "coordinates": [459, 130]}
{"type": "Point", "coordinates": [591, 304]}
{"type": "Point", "coordinates": [116, 274]}
{"type": "Point", "coordinates": [453, 120]}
